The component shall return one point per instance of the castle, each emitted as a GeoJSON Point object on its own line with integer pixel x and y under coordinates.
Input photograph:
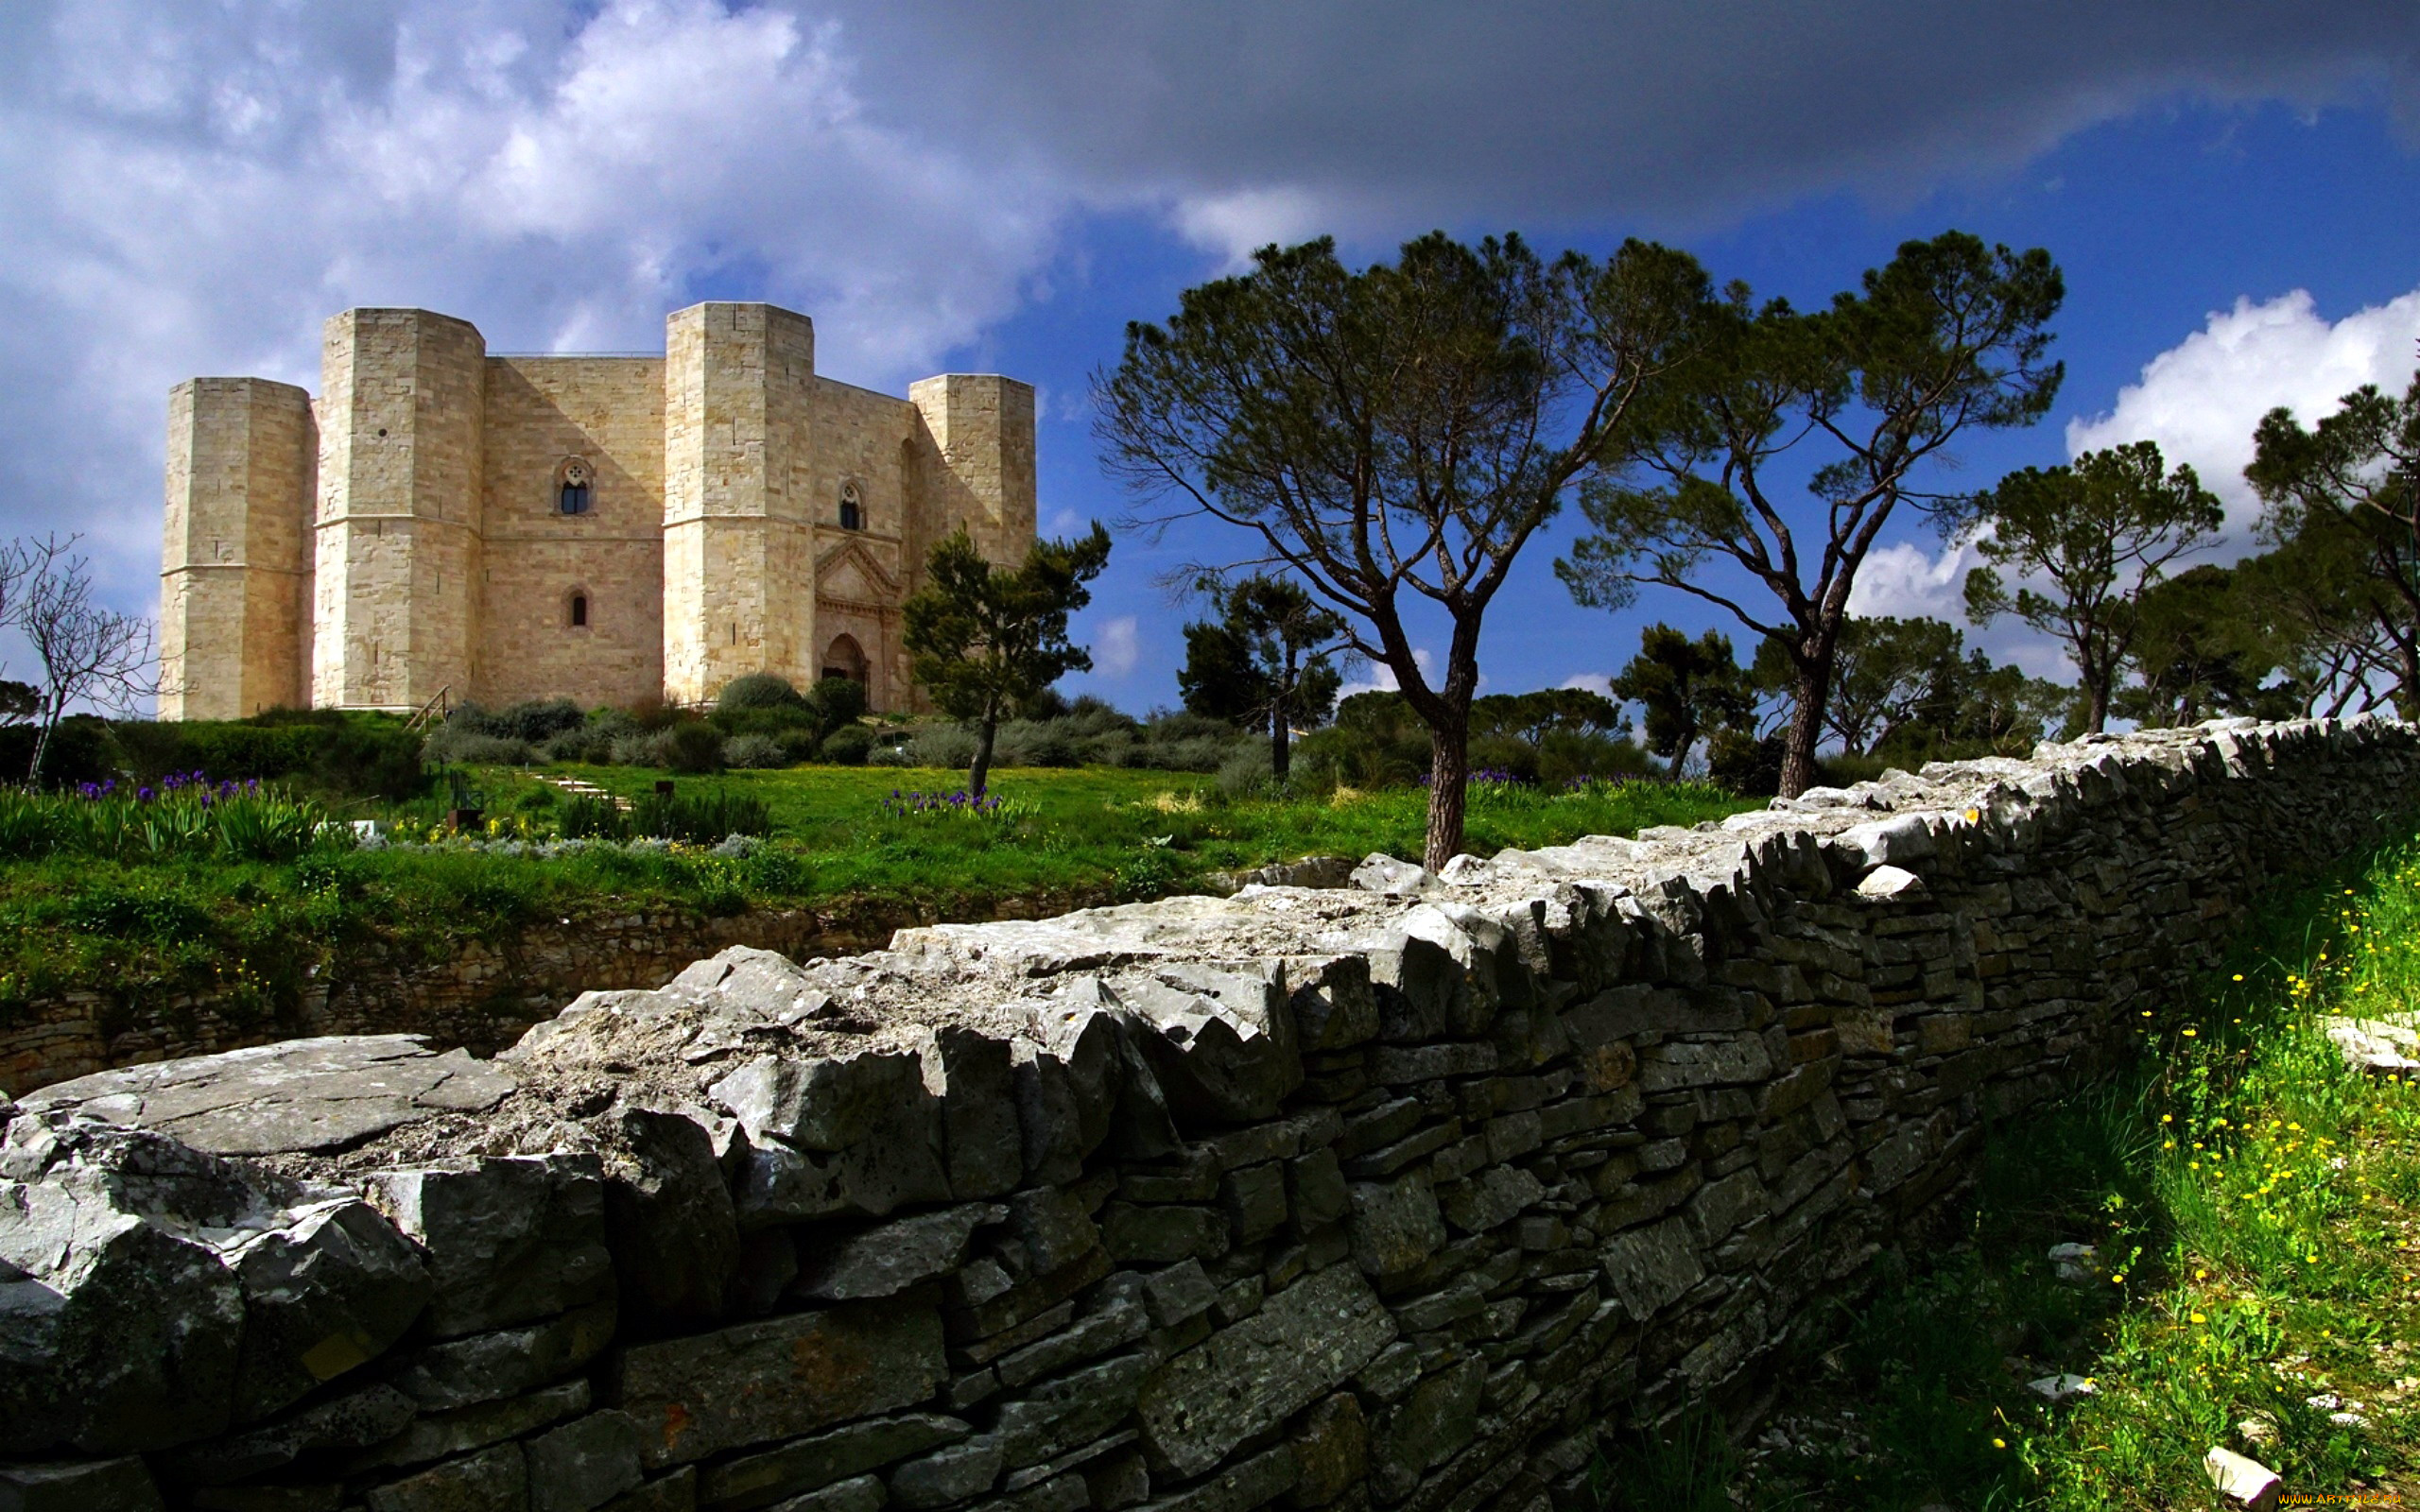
{"type": "Point", "coordinates": [443, 524]}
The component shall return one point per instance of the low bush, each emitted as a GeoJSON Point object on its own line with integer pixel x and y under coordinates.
{"type": "Point", "coordinates": [327, 751]}
{"type": "Point", "coordinates": [530, 723]}
{"type": "Point", "coordinates": [758, 690]}
{"type": "Point", "coordinates": [464, 747]}
{"type": "Point", "coordinates": [848, 746]}
{"type": "Point", "coordinates": [753, 750]}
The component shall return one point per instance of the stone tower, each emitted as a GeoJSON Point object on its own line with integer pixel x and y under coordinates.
{"type": "Point", "coordinates": [236, 569]}
{"type": "Point", "coordinates": [738, 532]}
{"type": "Point", "coordinates": [401, 402]}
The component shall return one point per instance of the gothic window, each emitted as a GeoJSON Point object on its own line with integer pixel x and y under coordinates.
{"type": "Point", "coordinates": [578, 614]}
{"type": "Point", "coordinates": [572, 486]}
{"type": "Point", "coordinates": [853, 513]}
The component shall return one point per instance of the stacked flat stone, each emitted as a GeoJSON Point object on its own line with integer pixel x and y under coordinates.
{"type": "Point", "coordinates": [1396, 1194]}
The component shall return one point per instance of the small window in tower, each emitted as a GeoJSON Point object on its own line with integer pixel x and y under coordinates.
{"type": "Point", "coordinates": [853, 513]}
{"type": "Point", "coordinates": [579, 611]}
{"type": "Point", "coordinates": [573, 484]}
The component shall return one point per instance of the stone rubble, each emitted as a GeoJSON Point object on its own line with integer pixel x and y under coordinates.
{"type": "Point", "coordinates": [1383, 1195]}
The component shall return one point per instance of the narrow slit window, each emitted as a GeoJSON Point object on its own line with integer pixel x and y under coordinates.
{"type": "Point", "coordinates": [579, 611]}
{"type": "Point", "coordinates": [853, 514]}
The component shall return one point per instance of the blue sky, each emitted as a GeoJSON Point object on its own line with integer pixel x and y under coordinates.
{"type": "Point", "coordinates": [2158, 220]}
{"type": "Point", "coordinates": [2233, 191]}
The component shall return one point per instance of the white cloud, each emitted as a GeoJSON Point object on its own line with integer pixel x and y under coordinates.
{"type": "Point", "coordinates": [1381, 678]}
{"type": "Point", "coordinates": [2201, 399]}
{"type": "Point", "coordinates": [1237, 224]}
{"type": "Point", "coordinates": [1118, 646]}
{"type": "Point", "coordinates": [1904, 580]}
{"type": "Point", "coordinates": [192, 191]}
{"type": "Point", "coordinates": [1596, 682]}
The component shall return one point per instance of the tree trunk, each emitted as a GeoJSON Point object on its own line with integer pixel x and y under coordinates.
{"type": "Point", "coordinates": [1281, 755]}
{"type": "Point", "coordinates": [1449, 771]}
{"type": "Point", "coordinates": [1805, 727]}
{"type": "Point", "coordinates": [42, 747]}
{"type": "Point", "coordinates": [2096, 708]}
{"type": "Point", "coordinates": [982, 771]}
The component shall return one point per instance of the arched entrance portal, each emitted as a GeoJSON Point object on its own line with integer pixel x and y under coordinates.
{"type": "Point", "coordinates": [844, 657]}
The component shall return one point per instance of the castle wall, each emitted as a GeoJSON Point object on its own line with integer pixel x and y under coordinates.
{"type": "Point", "coordinates": [404, 404]}
{"type": "Point", "coordinates": [974, 461]}
{"type": "Point", "coordinates": [864, 440]}
{"type": "Point", "coordinates": [541, 412]}
{"type": "Point", "coordinates": [738, 532]}
{"type": "Point", "coordinates": [235, 562]}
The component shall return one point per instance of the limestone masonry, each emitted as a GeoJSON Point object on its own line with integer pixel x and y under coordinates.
{"type": "Point", "coordinates": [440, 521]}
{"type": "Point", "coordinates": [1389, 1195]}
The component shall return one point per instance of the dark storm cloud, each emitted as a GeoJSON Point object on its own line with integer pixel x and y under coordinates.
{"type": "Point", "coordinates": [1676, 112]}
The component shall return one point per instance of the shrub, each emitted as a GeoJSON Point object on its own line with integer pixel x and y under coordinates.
{"type": "Point", "coordinates": [753, 750]}
{"type": "Point", "coordinates": [1026, 743]}
{"type": "Point", "coordinates": [942, 746]}
{"type": "Point", "coordinates": [848, 746]}
{"type": "Point", "coordinates": [691, 746]}
{"type": "Point", "coordinates": [1245, 772]}
{"type": "Point", "coordinates": [538, 799]}
{"type": "Point", "coordinates": [591, 744]}
{"type": "Point", "coordinates": [837, 701]}
{"type": "Point", "coordinates": [471, 748]}
{"type": "Point", "coordinates": [797, 745]}
{"type": "Point", "coordinates": [758, 690]}
{"type": "Point", "coordinates": [528, 722]}
{"type": "Point", "coordinates": [1745, 764]}
{"type": "Point", "coordinates": [1505, 753]}
{"type": "Point", "coordinates": [351, 755]}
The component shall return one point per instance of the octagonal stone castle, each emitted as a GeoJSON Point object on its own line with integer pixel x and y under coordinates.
{"type": "Point", "coordinates": [441, 523]}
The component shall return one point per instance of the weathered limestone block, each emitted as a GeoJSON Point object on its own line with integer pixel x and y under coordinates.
{"type": "Point", "coordinates": [440, 1435]}
{"type": "Point", "coordinates": [1331, 1449]}
{"type": "Point", "coordinates": [493, 1480]}
{"type": "Point", "coordinates": [786, 1376]}
{"type": "Point", "coordinates": [812, 1464]}
{"type": "Point", "coordinates": [329, 1290]}
{"type": "Point", "coordinates": [1220, 1041]}
{"type": "Point", "coordinates": [1067, 1076]}
{"type": "Point", "coordinates": [483, 1366]}
{"type": "Point", "coordinates": [947, 1475]}
{"type": "Point", "coordinates": [117, 1332]}
{"type": "Point", "coordinates": [979, 1131]}
{"type": "Point", "coordinates": [1650, 1267]}
{"type": "Point", "coordinates": [669, 1223]}
{"type": "Point", "coordinates": [1302, 1344]}
{"type": "Point", "coordinates": [1489, 1199]}
{"type": "Point", "coordinates": [356, 1420]}
{"type": "Point", "coordinates": [1439, 1421]}
{"type": "Point", "coordinates": [1394, 1225]}
{"type": "Point", "coordinates": [1072, 1410]}
{"type": "Point", "coordinates": [584, 1463]}
{"type": "Point", "coordinates": [857, 1132]}
{"type": "Point", "coordinates": [891, 1257]}
{"type": "Point", "coordinates": [508, 1240]}
{"type": "Point", "coordinates": [87, 1486]}
{"type": "Point", "coordinates": [296, 1095]}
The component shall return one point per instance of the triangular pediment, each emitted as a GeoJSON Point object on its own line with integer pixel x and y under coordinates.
{"type": "Point", "coordinates": [851, 572]}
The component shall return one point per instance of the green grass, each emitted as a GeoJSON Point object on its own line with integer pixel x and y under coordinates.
{"type": "Point", "coordinates": [184, 922]}
{"type": "Point", "coordinates": [2256, 1206]}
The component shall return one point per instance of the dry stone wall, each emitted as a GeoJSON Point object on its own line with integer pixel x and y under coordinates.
{"type": "Point", "coordinates": [1392, 1195]}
